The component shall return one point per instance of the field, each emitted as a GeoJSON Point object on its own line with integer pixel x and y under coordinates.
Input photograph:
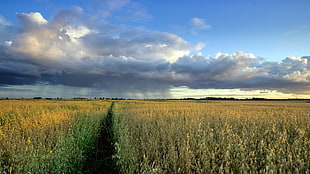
{"type": "Point", "coordinates": [154, 136]}
{"type": "Point", "coordinates": [41, 136]}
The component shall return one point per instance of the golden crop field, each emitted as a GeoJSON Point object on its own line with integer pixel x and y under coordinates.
{"type": "Point", "coordinates": [41, 136]}
{"type": "Point", "coordinates": [213, 137]}
{"type": "Point", "coordinates": [60, 136]}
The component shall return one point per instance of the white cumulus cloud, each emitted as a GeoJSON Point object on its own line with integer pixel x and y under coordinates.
{"type": "Point", "coordinates": [32, 19]}
{"type": "Point", "coordinates": [50, 42]}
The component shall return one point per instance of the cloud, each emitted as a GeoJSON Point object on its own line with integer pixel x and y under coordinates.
{"type": "Point", "coordinates": [138, 44]}
{"type": "Point", "coordinates": [69, 50]}
{"type": "Point", "coordinates": [115, 4]}
{"type": "Point", "coordinates": [135, 12]}
{"type": "Point", "coordinates": [7, 31]}
{"type": "Point", "coordinates": [55, 42]}
{"type": "Point", "coordinates": [245, 71]}
{"type": "Point", "coordinates": [123, 10]}
{"type": "Point", "coordinates": [73, 51]}
{"type": "Point", "coordinates": [298, 30]}
{"type": "Point", "coordinates": [4, 22]}
{"type": "Point", "coordinates": [198, 24]}
{"type": "Point", "coordinates": [30, 20]}
{"type": "Point", "coordinates": [15, 70]}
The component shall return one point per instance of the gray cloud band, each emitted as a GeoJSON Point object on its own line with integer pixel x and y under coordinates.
{"type": "Point", "coordinates": [121, 58]}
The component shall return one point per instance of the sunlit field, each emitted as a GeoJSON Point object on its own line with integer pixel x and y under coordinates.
{"type": "Point", "coordinates": [213, 137]}
{"type": "Point", "coordinates": [40, 136]}
{"type": "Point", "coordinates": [58, 136]}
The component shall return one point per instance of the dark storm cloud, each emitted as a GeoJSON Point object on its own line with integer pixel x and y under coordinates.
{"type": "Point", "coordinates": [222, 64]}
{"type": "Point", "coordinates": [16, 71]}
{"type": "Point", "coordinates": [112, 82]}
{"type": "Point", "coordinates": [244, 71]}
{"type": "Point", "coordinates": [70, 51]}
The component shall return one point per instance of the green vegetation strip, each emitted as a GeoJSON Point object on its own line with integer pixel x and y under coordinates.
{"type": "Point", "coordinates": [101, 160]}
{"type": "Point", "coordinates": [73, 150]}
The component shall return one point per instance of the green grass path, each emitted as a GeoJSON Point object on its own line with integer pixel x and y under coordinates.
{"type": "Point", "coordinates": [100, 160]}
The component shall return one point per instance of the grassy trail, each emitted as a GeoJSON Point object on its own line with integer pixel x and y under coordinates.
{"type": "Point", "coordinates": [100, 160]}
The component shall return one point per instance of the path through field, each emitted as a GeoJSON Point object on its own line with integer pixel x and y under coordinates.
{"type": "Point", "coordinates": [100, 160]}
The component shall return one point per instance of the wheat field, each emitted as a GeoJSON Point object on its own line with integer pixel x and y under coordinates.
{"type": "Point", "coordinates": [41, 136]}
{"type": "Point", "coordinates": [58, 136]}
{"type": "Point", "coordinates": [213, 137]}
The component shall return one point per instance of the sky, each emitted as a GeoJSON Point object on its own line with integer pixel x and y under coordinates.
{"type": "Point", "coordinates": [155, 48]}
